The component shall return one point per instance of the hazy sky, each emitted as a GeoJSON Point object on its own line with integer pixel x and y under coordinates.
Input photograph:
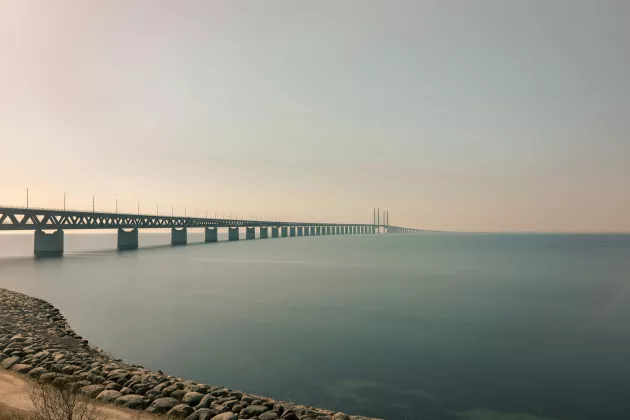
{"type": "Point", "coordinates": [465, 115]}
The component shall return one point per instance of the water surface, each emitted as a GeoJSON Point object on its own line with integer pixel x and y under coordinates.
{"type": "Point", "coordinates": [398, 326]}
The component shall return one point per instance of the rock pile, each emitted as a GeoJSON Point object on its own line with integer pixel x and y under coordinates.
{"type": "Point", "coordinates": [36, 340]}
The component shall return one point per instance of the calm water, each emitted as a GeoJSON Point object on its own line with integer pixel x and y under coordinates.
{"type": "Point", "coordinates": [389, 326]}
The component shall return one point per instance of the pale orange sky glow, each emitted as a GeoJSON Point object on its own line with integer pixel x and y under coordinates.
{"type": "Point", "coordinates": [472, 116]}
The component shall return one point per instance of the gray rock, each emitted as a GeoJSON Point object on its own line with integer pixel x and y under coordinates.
{"type": "Point", "coordinates": [135, 402]}
{"type": "Point", "coordinates": [37, 372]}
{"type": "Point", "coordinates": [206, 401]}
{"type": "Point", "coordinates": [109, 396]}
{"type": "Point", "coordinates": [113, 387]}
{"type": "Point", "coordinates": [219, 393]}
{"type": "Point", "coordinates": [179, 394]}
{"type": "Point", "coordinates": [229, 403]}
{"type": "Point", "coordinates": [92, 390]}
{"type": "Point", "coordinates": [162, 405]}
{"type": "Point", "coordinates": [253, 411]}
{"type": "Point", "coordinates": [60, 381]}
{"type": "Point", "coordinates": [300, 410]}
{"type": "Point", "coordinates": [126, 391]}
{"type": "Point", "coordinates": [202, 414]}
{"type": "Point", "coordinates": [171, 388]}
{"type": "Point", "coordinates": [47, 377]}
{"type": "Point", "coordinates": [269, 415]}
{"type": "Point", "coordinates": [21, 368]}
{"type": "Point", "coordinates": [200, 388]}
{"type": "Point", "coordinates": [219, 408]}
{"type": "Point", "coordinates": [10, 361]}
{"type": "Point", "coordinates": [341, 416]}
{"type": "Point", "coordinates": [180, 411]}
{"type": "Point", "coordinates": [153, 394]}
{"type": "Point", "coordinates": [237, 408]}
{"type": "Point", "coordinates": [225, 416]}
{"type": "Point", "coordinates": [192, 398]}
{"type": "Point", "coordinates": [290, 415]}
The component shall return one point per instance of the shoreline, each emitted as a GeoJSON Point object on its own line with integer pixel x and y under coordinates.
{"type": "Point", "coordinates": [37, 341]}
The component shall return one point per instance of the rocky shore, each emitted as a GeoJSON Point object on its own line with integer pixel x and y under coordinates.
{"type": "Point", "coordinates": [36, 340]}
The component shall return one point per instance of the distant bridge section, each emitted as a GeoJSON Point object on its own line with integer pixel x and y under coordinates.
{"type": "Point", "coordinates": [39, 220]}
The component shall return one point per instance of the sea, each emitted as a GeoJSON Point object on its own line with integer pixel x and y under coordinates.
{"type": "Point", "coordinates": [426, 326]}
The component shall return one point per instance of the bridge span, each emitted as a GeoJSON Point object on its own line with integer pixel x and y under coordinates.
{"type": "Point", "coordinates": [41, 220]}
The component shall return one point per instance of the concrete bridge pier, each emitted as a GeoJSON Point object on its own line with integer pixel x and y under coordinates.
{"type": "Point", "coordinates": [284, 231]}
{"type": "Point", "coordinates": [250, 233]}
{"type": "Point", "coordinates": [300, 231]}
{"type": "Point", "coordinates": [179, 236]}
{"type": "Point", "coordinates": [212, 234]}
{"type": "Point", "coordinates": [128, 239]}
{"type": "Point", "coordinates": [233, 234]}
{"type": "Point", "coordinates": [291, 230]}
{"type": "Point", "coordinates": [274, 231]}
{"type": "Point", "coordinates": [48, 244]}
{"type": "Point", "coordinates": [264, 232]}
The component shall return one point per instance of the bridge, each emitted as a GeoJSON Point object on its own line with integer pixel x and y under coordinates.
{"type": "Point", "coordinates": [40, 220]}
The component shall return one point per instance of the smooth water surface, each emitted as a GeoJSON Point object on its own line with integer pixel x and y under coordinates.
{"type": "Point", "coordinates": [391, 326]}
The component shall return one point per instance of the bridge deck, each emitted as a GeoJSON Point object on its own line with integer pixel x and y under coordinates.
{"type": "Point", "coordinates": [13, 218]}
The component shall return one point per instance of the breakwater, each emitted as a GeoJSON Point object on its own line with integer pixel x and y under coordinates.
{"type": "Point", "coordinates": [36, 340]}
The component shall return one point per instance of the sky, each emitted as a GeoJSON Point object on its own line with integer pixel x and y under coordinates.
{"type": "Point", "coordinates": [479, 115]}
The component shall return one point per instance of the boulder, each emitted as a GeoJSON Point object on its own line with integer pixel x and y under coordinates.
{"type": "Point", "coordinates": [253, 411]}
{"type": "Point", "coordinates": [113, 387]}
{"type": "Point", "coordinates": [220, 408]}
{"type": "Point", "coordinates": [171, 388]}
{"type": "Point", "coordinates": [109, 396]}
{"type": "Point", "coordinates": [225, 416]}
{"type": "Point", "coordinates": [192, 398]}
{"type": "Point", "coordinates": [206, 401]}
{"type": "Point", "coordinates": [47, 377]}
{"type": "Point", "coordinates": [202, 414]}
{"type": "Point", "coordinates": [180, 411]}
{"type": "Point", "coordinates": [269, 415]}
{"type": "Point", "coordinates": [290, 415]}
{"type": "Point", "coordinates": [21, 368]}
{"type": "Point", "coordinates": [162, 405]}
{"type": "Point", "coordinates": [9, 362]}
{"type": "Point", "coordinates": [37, 372]}
{"type": "Point", "coordinates": [179, 394]}
{"type": "Point", "coordinates": [135, 402]}
{"type": "Point", "coordinates": [92, 390]}
{"type": "Point", "coordinates": [153, 394]}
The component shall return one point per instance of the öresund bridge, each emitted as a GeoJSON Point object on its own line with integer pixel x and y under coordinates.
{"type": "Point", "coordinates": [47, 244]}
